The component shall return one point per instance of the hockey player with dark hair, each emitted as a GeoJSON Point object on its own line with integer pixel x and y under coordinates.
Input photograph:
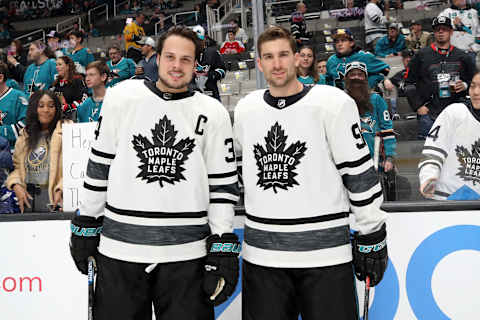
{"type": "Point", "coordinates": [305, 165]}
{"type": "Point", "coordinates": [347, 51]}
{"type": "Point", "coordinates": [450, 155]}
{"type": "Point", "coordinates": [158, 196]}
{"type": "Point", "coordinates": [210, 67]}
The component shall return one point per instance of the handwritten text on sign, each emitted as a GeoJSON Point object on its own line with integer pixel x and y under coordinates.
{"type": "Point", "coordinates": [76, 138]}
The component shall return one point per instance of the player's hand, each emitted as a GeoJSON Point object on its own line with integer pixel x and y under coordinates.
{"type": "Point", "coordinates": [459, 86]}
{"type": "Point", "coordinates": [387, 165]}
{"type": "Point", "coordinates": [388, 84]}
{"type": "Point", "coordinates": [428, 188]}
{"type": "Point", "coordinates": [23, 197]}
{"type": "Point", "coordinates": [11, 60]}
{"type": "Point", "coordinates": [423, 110]}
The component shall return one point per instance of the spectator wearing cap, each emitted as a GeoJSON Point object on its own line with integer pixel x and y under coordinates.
{"type": "Point", "coordinates": [239, 33]}
{"type": "Point", "coordinates": [80, 55]}
{"type": "Point", "coordinates": [53, 41]}
{"type": "Point", "coordinates": [133, 32]}
{"type": "Point", "coordinates": [417, 39]}
{"type": "Point", "coordinates": [120, 68]}
{"type": "Point", "coordinates": [438, 75]}
{"type": "Point", "coordinates": [148, 66]}
{"type": "Point", "coordinates": [375, 24]}
{"type": "Point", "coordinates": [346, 52]}
{"type": "Point", "coordinates": [231, 46]}
{"type": "Point", "coordinates": [392, 44]}
{"type": "Point", "coordinates": [465, 26]}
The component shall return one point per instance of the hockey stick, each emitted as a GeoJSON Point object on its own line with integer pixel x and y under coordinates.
{"type": "Point", "coordinates": [366, 302]}
{"type": "Point", "coordinates": [92, 269]}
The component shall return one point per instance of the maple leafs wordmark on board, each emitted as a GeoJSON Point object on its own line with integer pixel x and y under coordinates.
{"type": "Point", "coordinates": [276, 162]}
{"type": "Point", "coordinates": [163, 159]}
{"type": "Point", "coordinates": [469, 169]}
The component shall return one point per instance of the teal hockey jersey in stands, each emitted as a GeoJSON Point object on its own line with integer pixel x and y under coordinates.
{"type": "Point", "coordinates": [11, 83]}
{"type": "Point", "coordinates": [308, 80]}
{"type": "Point", "coordinates": [82, 57]}
{"type": "Point", "coordinates": [13, 108]}
{"type": "Point", "coordinates": [89, 110]}
{"type": "Point", "coordinates": [123, 70]}
{"type": "Point", "coordinates": [39, 77]}
{"type": "Point", "coordinates": [385, 47]}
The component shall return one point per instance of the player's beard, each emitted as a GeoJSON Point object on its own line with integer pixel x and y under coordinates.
{"type": "Point", "coordinates": [281, 83]}
{"type": "Point", "coordinates": [359, 91]}
{"type": "Point", "coordinates": [168, 84]}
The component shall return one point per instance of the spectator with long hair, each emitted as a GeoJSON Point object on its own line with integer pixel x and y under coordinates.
{"type": "Point", "coordinates": [69, 86]}
{"type": "Point", "coordinates": [306, 71]}
{"type": "Point", "coordinates": [37, 159]}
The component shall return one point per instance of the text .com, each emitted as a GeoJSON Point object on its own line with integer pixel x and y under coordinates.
{"type": "Point", "coordinates": [11, 284]}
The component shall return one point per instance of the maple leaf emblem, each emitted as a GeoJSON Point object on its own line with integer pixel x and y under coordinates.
{"type": "Point", "coordinates": [276, 162]}
{"type": "Point", "coordinates": [163, 159]}
{"type": "Point", "coordinates": [469, 169]}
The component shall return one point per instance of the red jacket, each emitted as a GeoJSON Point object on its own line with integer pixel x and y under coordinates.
{"type": "Point", "coordinates": [232, 47]}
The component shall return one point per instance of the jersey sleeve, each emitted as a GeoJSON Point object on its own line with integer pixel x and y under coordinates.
{"type": "Point", "coordinates": [222, 174]}
{"type": "Point", "coordinates": [354, 164]}
{"type": "Point", "coordinates": [12, 131]}
{"type": "Point", "coordinates": [131, 67]}
{"type": "Point", "coordinates": [435, 150]}
{"type": "Point", "coordinates": [102, 154]}
{"type": "Point", "coordinates": [386, 127]}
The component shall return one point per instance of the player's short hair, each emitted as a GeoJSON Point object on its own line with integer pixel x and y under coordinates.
{"type": "Point", "coordinates": [183, 32]}
{"type": "Point", "coordinates": [101, 67]}
{"type": "Point", "coordinates": [4, 71]}
{"type": "Point", "coordinates": [275, 33]}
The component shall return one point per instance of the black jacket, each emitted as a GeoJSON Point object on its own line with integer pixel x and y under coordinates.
{"type": "Point", "coordinates": [210, 69]}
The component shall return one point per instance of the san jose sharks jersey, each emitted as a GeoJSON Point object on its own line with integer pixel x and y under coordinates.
{"type": "Point", "coordinates": [162, 172]}
{"type": "Point", "coordinates": [39, 77]}
{"type": "Point", "coordinates": [304, 166]}
{"type": "Point", "coordinates": [11, 83]}
{"type": "Point", "coordinates": [13, 108]}
{"type": "Point", "coordinates": [451, 151]}
{"type": "Point", "coordinates": [378, 121]}
{"type": "Point", "coordinates": [377, 69]}
{"type": "Point", "coordinates": [82, 58]}
{"type": "Point", "coordinates": [89, 110]}
{"type": "Point", "coordinates": [122, 70]}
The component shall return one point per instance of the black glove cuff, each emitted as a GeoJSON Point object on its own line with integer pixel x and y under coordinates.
{"type": "Point", "coordinates": [225, 246]}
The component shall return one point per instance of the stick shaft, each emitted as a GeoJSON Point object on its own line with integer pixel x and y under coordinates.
{"type": "Point", "coordinates": [91, 285]}
{"type": "Point", "coordinates": [366, 302]}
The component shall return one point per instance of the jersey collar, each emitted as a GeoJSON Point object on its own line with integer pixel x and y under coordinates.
{"type": "Point", "coordinates": [283, 102]}
{"type": "Point", "coordinates": [167, 95]}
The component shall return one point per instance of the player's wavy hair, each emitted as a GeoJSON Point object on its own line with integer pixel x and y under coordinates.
{"type": "Point", "coordinates": [184, 32]}
{"type": "Point", "coordinates": [71, 73]}
{"type": "Point", "coordinates": [312, 70]}
{"type": "Point", "coordinates": [33, 127]}
{"type": "Point", "coordinates": [275, 33]}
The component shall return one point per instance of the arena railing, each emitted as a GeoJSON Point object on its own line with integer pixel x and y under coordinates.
{"type": "Point", "coordinates": [176, 16]}
{"type": "Point", "coordinates": [165, 22]}
{"type": "Point", "coordinates": [104, 7]}
{"type": "Point", "coordinates": [30, 37]}
{"type": "Point", "coordinates": [67, 24]}
{"type": "Point", "coordinates": [117, 6]}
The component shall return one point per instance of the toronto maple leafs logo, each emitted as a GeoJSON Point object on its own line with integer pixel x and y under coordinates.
{"type": "Point", "coordinates": [163, 159]}
{"type": "Point", "coordinates": [469, 169]}
{"type": "Point", "coordinates": [276, 162]}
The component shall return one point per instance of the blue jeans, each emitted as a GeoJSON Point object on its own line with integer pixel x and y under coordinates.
{"type": "Point", "coordinates": [425, 123]}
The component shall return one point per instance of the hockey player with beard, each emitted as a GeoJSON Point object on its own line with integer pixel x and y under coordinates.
{"type": "Point", "coordinates": [347, 52]}
{"type": "Point", "coordinates": [210, 67]}
{"type": "Point", "coordinates": [450, 155]}
{"type": "Point", "coordinates": [305, 166]}
{"type": "Point", "coordinates": [158, 196]}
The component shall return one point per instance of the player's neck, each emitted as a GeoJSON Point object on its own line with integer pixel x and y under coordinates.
{"type": "Point", "coordinates": [41, 60]}
{"type": "Point", "coordinates": [99, 93]}
{"type": "Point", "coordinates": [78, 47]}
{"type": "Point", "coordinates": [288, 90]}
{"type": "Point", "coordinates": [162, 87]}
{"type": "Point", "coordinates": [150, 54]}
{"type": "Point", "coordinates": [445, 45]}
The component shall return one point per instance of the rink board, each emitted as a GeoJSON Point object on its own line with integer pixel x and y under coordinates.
{"type": "Point", "coordinates": [433, 271]}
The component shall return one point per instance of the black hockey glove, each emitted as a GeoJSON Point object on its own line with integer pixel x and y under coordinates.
{"type": "Point", "coordinates": [84, 240]}
{"type": "Point", "coordinates": [370, 257]}
{"type": "Point", "coordinates": [221, 267]}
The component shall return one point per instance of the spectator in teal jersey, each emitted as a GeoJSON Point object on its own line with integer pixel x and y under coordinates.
{"type": "Point", "coordinates": [392, 44]}
{"type": "Point", "coordinates": [306, 71]}
{"type": "Point", "coordinates": [121, 68]}
{"type": "Point", "coordinates": [96, 78]}
{"type": "Point", "coordinates": [13, 107]}
{"type": "Point", "coordinates": [321, 65]}
{"type": "Point", "coordinates": [80, 55]}
{"type": "Point", "coordinates": [41, 73]}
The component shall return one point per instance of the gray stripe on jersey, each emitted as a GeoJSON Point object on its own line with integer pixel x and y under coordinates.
{"type": "Point", "coordinates": [154, 235]}
{"type": "Point", "coordinates": [98, 171]}
{"type": "Point", "coordinates": [362, 182]}
{"type": "Point", "coordinates": [226, 188]}
{"type": "Point", "coordinates": [298, 241]}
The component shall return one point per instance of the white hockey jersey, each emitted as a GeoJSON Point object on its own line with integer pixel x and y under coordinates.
{"type": "Point", "coordinates": [375, 22]}
{"type": "Point", "coordinates": [162, 172]}
{"type": "Point", "coordinates": [464, 39]}
{"type": "Point", "coordinates": [451, 151]}
{"type": "Point", "coordinates": [305, 167]}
